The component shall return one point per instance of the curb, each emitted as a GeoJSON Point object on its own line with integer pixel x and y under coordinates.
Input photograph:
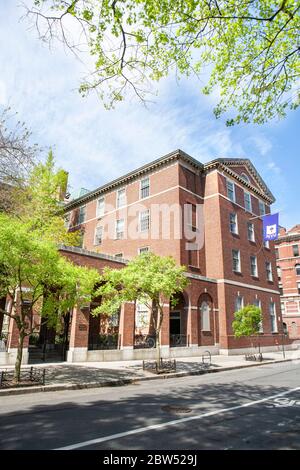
{"type": "Point", "coordinates": [130, 380]}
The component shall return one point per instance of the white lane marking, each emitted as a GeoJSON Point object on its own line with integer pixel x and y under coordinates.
{"type": "Point", "coordinates": [172, 423]}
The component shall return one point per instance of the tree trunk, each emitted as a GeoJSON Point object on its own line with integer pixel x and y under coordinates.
{"type": "Point", "coordinates": [157, 320]}
{"type": "Point", "coordinates": [158, 352]}
{"type": "Point", "coordinates": [19, 356]}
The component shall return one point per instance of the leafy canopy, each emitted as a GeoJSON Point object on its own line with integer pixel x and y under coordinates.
{"type": "Point", "coordinates": [247, 321]}
{"type": "Point", "coordinates": [41, 203]}
{"type": "Point", "coordinates": [147, 278]}
{"type": "Point", "coordinates": [249, 49]}
{"type": "Point", "coordinates": [33, 266]}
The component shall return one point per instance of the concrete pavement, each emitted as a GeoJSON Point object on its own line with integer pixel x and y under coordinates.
{"type": "Point", "coordinates": [66, 376]}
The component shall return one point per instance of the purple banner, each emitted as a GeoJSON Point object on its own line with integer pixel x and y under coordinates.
{"type": "Point", "coordinates": [271, 227]}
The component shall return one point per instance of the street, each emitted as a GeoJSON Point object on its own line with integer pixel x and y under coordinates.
{"type": "Point", "coordinates": [257, 408]}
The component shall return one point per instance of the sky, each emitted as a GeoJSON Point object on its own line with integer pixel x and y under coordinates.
{"type": "Point", "coordinates": [96, 145]}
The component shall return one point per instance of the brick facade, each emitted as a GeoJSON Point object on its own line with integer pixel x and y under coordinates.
{"type": "Point", "coordinates": [166, 188]}
{"type": "Point", "coordinates": [288, 263]}
{"type": "Point", "coordinates": [175, 181]}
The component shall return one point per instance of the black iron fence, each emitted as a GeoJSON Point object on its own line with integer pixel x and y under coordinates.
{"type": "Point", "coordinates": [163, 366]}
{"type": "Point", "coordinates": [31, 376]}
{"type": "Point", "coordinates": [178, 340]}
{"type": "Point", "coordinates": [98, 342]}
{"type": "Point", "coordinates": [144, 341]}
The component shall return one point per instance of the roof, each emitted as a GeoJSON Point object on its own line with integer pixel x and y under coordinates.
{"type": "Point", "coordinates": [290, 235]}
{"type": "Point", "coordinates": [176, 155]}
{"type": "Point", "coordinates": [228, 162]}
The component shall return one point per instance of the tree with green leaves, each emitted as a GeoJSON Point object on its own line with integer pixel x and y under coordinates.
{"type": "Point", "coordinates": [31, 265]}
{"type": "Point", "coordinates": [148, 279]}
{"type": "Point", "coordinates": [249, 49]}
{"type": "Point", "coordinates": [43, 200]}
{"type": "Point", "coordinates": [247, 321]}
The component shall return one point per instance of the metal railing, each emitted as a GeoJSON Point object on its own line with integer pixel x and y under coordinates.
{"type": "Point", "coordinates": [178, 341]}
{"type": "Point", "coordinates": [101, 342]}
{"type": "Point", "coordinates": [31, 376]}
{"type": "Point", "coordinates": [144, 341]}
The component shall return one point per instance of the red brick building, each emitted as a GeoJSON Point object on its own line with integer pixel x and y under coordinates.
{"type": "Point", "coordinates": [288, 266]}
{"type": "Point", "coordinates": [208, 217]}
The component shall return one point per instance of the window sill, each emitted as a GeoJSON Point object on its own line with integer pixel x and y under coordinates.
{"type": "Point", "coordinates": [238, 273]}
{"type": "Point", "coordinates": [255, 278]}
{"type": "Point", "coordinates": [235, 235]}
{"type": "Point", "coordinates": [194, 267]}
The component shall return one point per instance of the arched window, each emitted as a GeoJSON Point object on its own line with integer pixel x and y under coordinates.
{"type": "Point", "coordinates": [245, 177]}
{"type": "Point", "coordinates": [297, 267]}
{"type": "Point", "coordinates": [205, 316]}
{"type": "Point", "coordinates": [293, 329]}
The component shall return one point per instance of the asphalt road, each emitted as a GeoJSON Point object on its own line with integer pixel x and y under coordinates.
{"type": "Point", "coordinates": [256, 408]}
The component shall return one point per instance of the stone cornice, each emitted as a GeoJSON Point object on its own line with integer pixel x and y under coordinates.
{"type": "Point", "coordinates": [224, 165]}
{"type": "Point", "coordinates": [162, 161]}
{"type": "Point", "coordinates": [179, 155]}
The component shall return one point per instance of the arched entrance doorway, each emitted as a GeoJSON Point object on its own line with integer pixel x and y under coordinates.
{"type": "Point", "coordinates": [206, 321]}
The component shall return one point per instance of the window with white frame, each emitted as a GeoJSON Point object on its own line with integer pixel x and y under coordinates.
{"type": "Point", "coordinates": [205, 316]}
{"type": "Point", "coordinates": [121, 197]}
{"type": "Point", "coordinates": [295, 250]}
{"type": "Point", "coordinates": [272, 310]}
{"type": "Point", "coordinates": [145, 187]}
{"type": "Point", "coordinates": [250, 231]}
{"type": "Point", "coordinates": [239, 303]}
{"type": "Point", "coordinates": [233, 223]}
{"type": "Point", "coordinates": [257, 303]}
{"type": "Point", "coordinates": [98, 235]}
{"type": "Point", "coordinates": [269, 271]}
{"type": "Point", "coordinates": [297, 268]}
{"type": "Point", "coordinates": [236, 261]}
{"type": "Point", "coordinates": [81, 216]}
{"type": "Point", "coordinates": [144, 220]}
{"type": "Point", "coordinates": [143, 249]}
{"type": "Point", "coordinates": [141, 316]}
{"type": "Point", "coordinates": [278, 272]}
{"type": "Point", "coordinates": [253, 266]}
{"type": "Point", "coordinates": [247, 201]}
{"type": "Point", "coordinates": [267, 244]}
{"type": "Point", "coordinates": [230, 190]}
{"type": "Point", "coordinates": [262, 208]}
{"type": "Point", "coordinates": [100, 207]}
{"type": "Point", "coordinates": [119, 229]}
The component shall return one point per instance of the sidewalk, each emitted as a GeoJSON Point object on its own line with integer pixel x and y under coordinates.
{"type": "Point", "coordinates": [70, 376]}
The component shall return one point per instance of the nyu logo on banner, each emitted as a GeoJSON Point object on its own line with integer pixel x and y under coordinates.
{"type": "Point", "coordinates": [271, 227]}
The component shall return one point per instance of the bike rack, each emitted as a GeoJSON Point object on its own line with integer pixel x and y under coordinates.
{"type": "Point", "coordinates": [206, 356]}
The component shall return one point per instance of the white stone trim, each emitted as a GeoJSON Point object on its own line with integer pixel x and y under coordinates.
{"type": "Point", "coordinates": [77, 354]}
{"type": "Point", "coordinates": [248, 286]}
{"type": "Point", "coordinates": [200, 278]}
